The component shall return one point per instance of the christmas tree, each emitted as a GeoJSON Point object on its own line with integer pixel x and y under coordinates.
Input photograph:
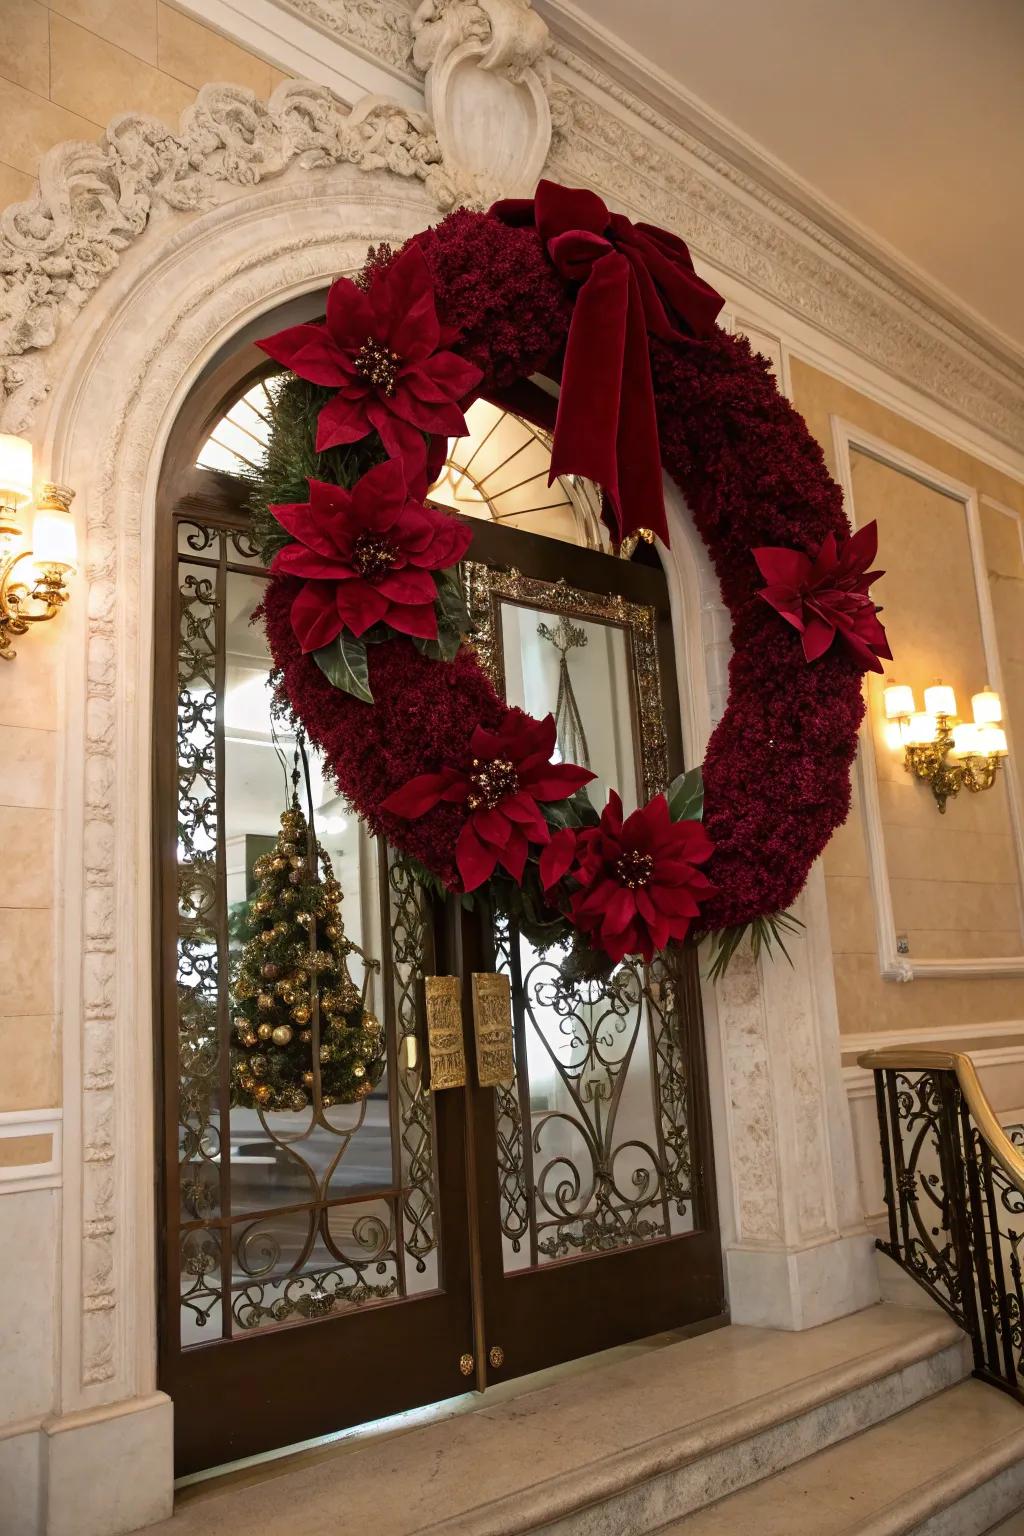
{"type": "Point", "coordinates": [301, 1032]}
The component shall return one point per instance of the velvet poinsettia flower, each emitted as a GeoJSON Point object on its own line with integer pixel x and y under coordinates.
{"type": "Point", "coordinates": [384, 352]}
{"type": "Point", "coordinates": [827, 595]}
{"type": "Point", "coordinates": [509, 777]}
{"type": "Point", "coordinates": [366, 557]}
{"type": "Point", "coordinates": [639, 885]}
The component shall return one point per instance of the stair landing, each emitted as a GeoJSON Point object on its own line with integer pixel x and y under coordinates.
{"type": "Point", "coordinates": [623, 1447]}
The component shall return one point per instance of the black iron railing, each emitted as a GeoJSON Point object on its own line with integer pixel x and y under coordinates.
{"type": "Point", "coordinates": [954, 1192]}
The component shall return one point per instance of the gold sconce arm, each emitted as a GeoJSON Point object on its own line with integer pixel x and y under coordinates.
{"type": "Point", "coordinates": [945, 752]}
{"type": "Point", "coordinates": [930, 761]}
{"type": "Point", "coordinates": [37, 600]}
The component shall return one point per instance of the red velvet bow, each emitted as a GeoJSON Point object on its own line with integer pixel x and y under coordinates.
{"type": "Point", "coordinates": [634, 279]}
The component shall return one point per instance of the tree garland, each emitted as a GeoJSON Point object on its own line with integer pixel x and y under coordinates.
{"type": "Point", "coordinates": [777, 769]}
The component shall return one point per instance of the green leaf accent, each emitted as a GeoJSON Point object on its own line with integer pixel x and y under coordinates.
{"type": "Point", "coordinates": [444, 648]}
{"type": "Point", "coordinates": [344, 664]}
{"type": "Point", "coordinates": [451, 603]}
{"type": "Point", "coordinates": [686, 796]}
{"type": "Point", "coordinates": [766, 935]}
{"type": "Point", "coordinates": [577, 811]}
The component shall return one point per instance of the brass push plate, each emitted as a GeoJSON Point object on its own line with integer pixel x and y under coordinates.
{"type": "Point", "coordinates": [444, 1032]}
{"type": "Point", "coordinates": [492, 1024]}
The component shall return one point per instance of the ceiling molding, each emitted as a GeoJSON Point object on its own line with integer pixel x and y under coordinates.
{"type": "Point", "coordinates": [585, 46]}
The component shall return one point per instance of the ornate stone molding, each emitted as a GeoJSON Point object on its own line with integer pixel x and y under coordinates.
{"type": "Point", "coordinates": [381, 29]}
{"type": "Point", "coordinates": [94, 200]}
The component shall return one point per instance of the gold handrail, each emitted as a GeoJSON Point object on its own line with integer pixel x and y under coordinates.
{"type": "Point", "coordinates": [928, 1059]}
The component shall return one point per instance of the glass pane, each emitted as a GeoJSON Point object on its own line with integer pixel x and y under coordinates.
{"type": "Point", "coordinates": [579, 671]}
{"type": "Point", "coordinates": [288, 1215]}
{"type": "Point", "coordinates": [593, 1141]}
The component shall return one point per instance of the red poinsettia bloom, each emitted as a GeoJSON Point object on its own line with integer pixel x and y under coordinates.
{"type": "Point", "coordinates": [382, 349]}
{"type": "Point", "coordinates": [366, 556]}
{"type": "Point", "coordinates": [508, 778]}
{"type": "Point", "coordinates": [828, 595]}
{"type": "Point", "coordinates": [638, 882]}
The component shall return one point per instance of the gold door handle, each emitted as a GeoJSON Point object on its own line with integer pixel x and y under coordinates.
{"type": "Point", "coordinates": [492, 1028]}
{"type": "Point", "coordinates": [444, 1032]}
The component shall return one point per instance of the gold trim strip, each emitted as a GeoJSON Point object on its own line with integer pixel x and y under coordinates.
{"type": "Point", "coordinates": [930, 1059]}
{"type": "Point", "coordinates": [444, 1032]}
{"type": "Point", "coordinates": [492, 1025]}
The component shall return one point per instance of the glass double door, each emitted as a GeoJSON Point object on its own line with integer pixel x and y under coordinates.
{"type": "Point", "coordinates": [319, 1271]}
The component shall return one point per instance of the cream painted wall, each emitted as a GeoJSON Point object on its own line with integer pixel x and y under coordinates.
{"type": "Point", "coordinates": [68, 67]}
{"type": "Point", "coordinates": [956, 890]}
{"type": "Point", "coordinates": [65, 70]}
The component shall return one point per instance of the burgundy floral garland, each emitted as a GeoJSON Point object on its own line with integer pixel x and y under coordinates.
{"type": "Point", "coordinates": [776, 772]}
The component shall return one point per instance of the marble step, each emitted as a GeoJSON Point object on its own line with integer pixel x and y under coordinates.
{"type": "Point", "coordinates": [949, 1466]}
{"type": "Point", "coordinates": [621, 1447]}
{"type": "Point", "coordinates": [1012, 1527]}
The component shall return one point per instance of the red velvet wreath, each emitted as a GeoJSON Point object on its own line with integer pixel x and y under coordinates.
{"type": "Point", "coordinates": [777, 769]}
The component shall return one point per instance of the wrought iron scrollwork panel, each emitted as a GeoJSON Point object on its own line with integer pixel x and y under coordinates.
{"type": "Point", "coordinates": [282, 1217]}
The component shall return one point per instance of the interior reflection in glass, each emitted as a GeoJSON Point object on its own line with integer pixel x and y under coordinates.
{"type": "Point", "coordinates": [597, 674]}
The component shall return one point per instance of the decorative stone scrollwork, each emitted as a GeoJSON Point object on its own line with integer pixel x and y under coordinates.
{"type": "Point", "coordinates": [95, 200]}
{"type": "Point", "coordinates": [486, 88]}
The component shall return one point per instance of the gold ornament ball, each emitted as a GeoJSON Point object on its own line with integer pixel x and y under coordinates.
{"type": "Point", "coordinates": [363, 1089]}
{"type": "Point", "coordinates": [282, 1035]}
{"type": "Point", "coordinates": [267, 936]}
{"type": "Point", "coordinates": [301, 976]}
{"type": "Point", "coordinates": [301, 1014]}
{"type": "Point", "coordinates": [249, 1038]}
{"type": "Point", "coordinates": [327, 1101]}
{"type": "Point", "coordinates": [248, 1083]}
{"type": "Point", "coordinates": [263, 1094]}
{"type": "Point", "coordinates": [271, 971]}
{"type": "Point", "coordinates": [332, 931]}
{"type": "Point", "coordinates": [258, 1065]}
{"type": "Point", "coordinates": [298, 1099]}
{"type": "Point", "coordinates": [308, 1079]}
{"type": "Point", "coordinates": [358, 1070]}
{"type": "Point", "coordinates": [265, 1031]}
{"type": "Point", "coordinates": [306, 1036]}
{"type": "Point", "coordinates": [296, 877]}
{"type": "Point", "coordinates": [326, 1053]}
{"type": "Point", "coordinates": [305, 918]}
{"type": "Point", "coordinates": [296, 862]}
{"type": "Point", "coordinates": [277, 863]}
{"type": "Point", "coordinates": [265, 1002]}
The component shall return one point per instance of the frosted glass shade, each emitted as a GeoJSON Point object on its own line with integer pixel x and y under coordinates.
{"type": "Point", "coordinates": [923, 729]}
{"type": "Point", "coordinates": [53, 540]}
{"type": "Point", "coordinates": [15, 470]}
{"type": "Point", "coordinates": [899, 700]}
{"type": "Point", "coordinates": [940, 699]}
{"type": "Point", "coordinates": [897, 733]}
{"type": "Point", "coordinates": [965, 740]}
{"type": "Point", "coordinates": [991, 740]}
{"type": "Point", "coordinates": [987, 707]}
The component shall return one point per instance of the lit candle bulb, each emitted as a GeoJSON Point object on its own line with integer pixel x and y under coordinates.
{"type": "Point", "coordinates": [940, 699]}
{"type": "Point", "coordinates": [987, 707]}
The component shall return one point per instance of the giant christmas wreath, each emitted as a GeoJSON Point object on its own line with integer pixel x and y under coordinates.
{"type": "Point", "coordinates": [364, 614]}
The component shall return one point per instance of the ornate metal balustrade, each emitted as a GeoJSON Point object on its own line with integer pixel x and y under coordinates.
{"type": "Point", "coordinates": [954, 1191]}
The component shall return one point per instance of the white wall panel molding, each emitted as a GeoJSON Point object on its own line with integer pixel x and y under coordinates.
{"type": "Point", "coordinates": [847, 437]}
{"type": "Point", "coordinates": [19, 1124]}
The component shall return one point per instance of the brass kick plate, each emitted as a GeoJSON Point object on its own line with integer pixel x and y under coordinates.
{"type": "Point", "coordinates": [444, 1032]}
{"type": "Point", "coordinates": [492, 1024]}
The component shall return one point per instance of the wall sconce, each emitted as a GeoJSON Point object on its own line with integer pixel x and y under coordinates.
{"type": "Point", "coordinates": [948, 753]}
{"type": "Point", "coordinates": [53, 553]}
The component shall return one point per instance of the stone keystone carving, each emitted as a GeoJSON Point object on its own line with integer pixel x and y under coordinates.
{"type": "Point", "coordinates": [486, 90]}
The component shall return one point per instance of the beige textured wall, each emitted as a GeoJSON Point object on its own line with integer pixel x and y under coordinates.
{"type": "Point", "coordinates": [67, 68]}
{"type": "Point", "coordinates": [954, 883]}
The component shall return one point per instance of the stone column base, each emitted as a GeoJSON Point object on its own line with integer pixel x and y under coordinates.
{"type": "Point", "coordinates": [776, 1287]}
{"type": "Point", "coordinates": [99, 1472]}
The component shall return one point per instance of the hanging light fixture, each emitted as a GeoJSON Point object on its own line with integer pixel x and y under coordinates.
{"type": "Point", "coordinates": [42, 592]}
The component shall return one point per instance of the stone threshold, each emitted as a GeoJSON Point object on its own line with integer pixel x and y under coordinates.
{"type": "Point", "coordinates": [626, 1446]}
